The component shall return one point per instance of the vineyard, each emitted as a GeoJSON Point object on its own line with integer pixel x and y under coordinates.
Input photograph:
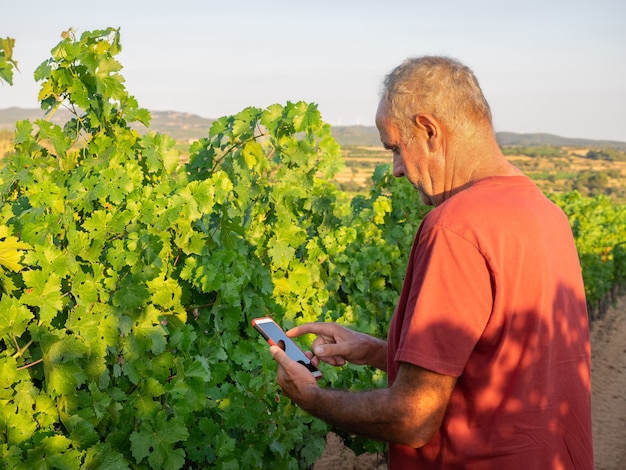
{"type": "Point", "coordinates": [129, 279]}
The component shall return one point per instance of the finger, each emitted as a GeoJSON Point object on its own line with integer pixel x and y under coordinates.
{"type": "Point", "coordinates": [336, 361]}
{"type": "Point", "coordinates": [317, 328]}
{"type": "Point", "coordinates": [319, 345]}
{"type": "Point", "coordinates": [314, 359]}
{"type": "Point", "coordinates": [320, 340]}
{"type": "Point", "coordinates": [280, 356]}
{"type": "Point", "coordinates": [323, 350]}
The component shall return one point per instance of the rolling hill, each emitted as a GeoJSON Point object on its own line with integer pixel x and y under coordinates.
{"type": "Point", "coordinates": [187, 127]}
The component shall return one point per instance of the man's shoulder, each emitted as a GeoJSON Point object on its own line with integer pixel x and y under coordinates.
{"type": "Point", "coordinates": [491, 202]}
{"type": "Point", "coordinates": [493, 191]}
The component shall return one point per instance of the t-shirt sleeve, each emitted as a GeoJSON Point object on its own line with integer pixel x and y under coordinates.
{"type": "Point", "coordinates": [449, 303]}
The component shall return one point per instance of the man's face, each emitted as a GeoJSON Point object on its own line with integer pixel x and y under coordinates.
{"type": "Point", "coordinates": [410, 160]}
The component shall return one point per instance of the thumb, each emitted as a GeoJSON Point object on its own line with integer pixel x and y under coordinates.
{"type": "Point", "coordinates": [279, 355]}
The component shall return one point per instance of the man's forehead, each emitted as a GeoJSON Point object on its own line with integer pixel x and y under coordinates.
{"type": "Point", "coordinates": [382, 110]}
{"type": "Point", "coordinates": [387, 128]}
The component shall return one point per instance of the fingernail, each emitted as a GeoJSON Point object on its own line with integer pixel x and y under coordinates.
{"type": "Point", "coordinates": [319, 351]}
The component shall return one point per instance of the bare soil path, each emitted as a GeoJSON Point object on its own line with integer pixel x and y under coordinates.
{"type": "Point", "coordinates": [608, 388]}
{"type": "Point", "coordinates": [608, 402]}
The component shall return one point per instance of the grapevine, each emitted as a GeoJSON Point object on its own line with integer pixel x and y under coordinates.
{"type": "Point", "coordinates": [129, 279]}
{"type": "Point", "coordinates": [599, 228]}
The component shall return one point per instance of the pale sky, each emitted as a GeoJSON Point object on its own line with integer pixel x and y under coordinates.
{"type": "Point", "coordinates": [554, 66]}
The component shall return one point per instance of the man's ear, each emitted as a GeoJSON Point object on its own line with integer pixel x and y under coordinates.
{"type": "Point", "coordinates": [431, 129]}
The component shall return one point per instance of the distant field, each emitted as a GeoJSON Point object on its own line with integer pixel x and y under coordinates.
{"type": "Point", "coordinates": [552, 174]}
{"type": "Point", "coordinates": [6, 138]}
{"type": "Point", "coordinates": [555, 173]}
{"type": "Point", "coordinates": [559, 174]}
{"type": "Point", "coordinates": [360, 165]}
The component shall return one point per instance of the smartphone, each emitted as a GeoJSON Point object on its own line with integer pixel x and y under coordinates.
{"type": "Point", "coordinates": [275, 335]}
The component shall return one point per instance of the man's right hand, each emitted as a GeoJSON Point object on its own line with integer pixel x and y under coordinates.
{"type": "Point", "coordinates": [337, 345]}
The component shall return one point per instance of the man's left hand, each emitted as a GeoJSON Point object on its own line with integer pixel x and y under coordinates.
{"type": "Point", "coordinates": [295, 379]}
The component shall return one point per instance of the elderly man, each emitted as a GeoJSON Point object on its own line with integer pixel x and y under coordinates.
{"type": "Point", "coordinates": [488, 352]}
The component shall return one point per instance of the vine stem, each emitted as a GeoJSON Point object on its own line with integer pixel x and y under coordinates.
{"type": "Point", "coordinates": [190, 308]}
{"type": "Point", "coordinates": [219, 160]}
{"type": "Point", "coordinates": [20, 351]}
{"type": "Point", "coordinates": [30, 365]}
{"type": "Point", "coordinates": [50, 114]}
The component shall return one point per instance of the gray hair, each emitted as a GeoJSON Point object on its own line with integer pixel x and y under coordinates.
{"type": "Point", "coordinates": [440, 86]}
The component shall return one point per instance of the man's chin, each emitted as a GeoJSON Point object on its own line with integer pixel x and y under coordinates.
{"type": "Point", "coordinates": [426, 199]}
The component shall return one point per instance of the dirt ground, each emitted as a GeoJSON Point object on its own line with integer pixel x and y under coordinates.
{"type": "Point", "coordinates": [608, 402]}
{"type": "Point", "coordinates": [608, 388]}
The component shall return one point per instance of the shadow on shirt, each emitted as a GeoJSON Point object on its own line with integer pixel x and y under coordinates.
{"type": "Point", "coordinates": [523, 398]}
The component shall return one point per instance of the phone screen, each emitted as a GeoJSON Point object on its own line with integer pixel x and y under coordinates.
{"type": "Point", "coordinates": [275, 335]}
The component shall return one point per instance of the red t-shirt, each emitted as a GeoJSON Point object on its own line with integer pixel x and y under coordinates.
{"type": "Point", "coordinates": [494, 296]}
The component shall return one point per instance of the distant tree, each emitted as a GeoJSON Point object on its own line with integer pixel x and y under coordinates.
{"type": "Point", "coordinates": [591, 182]}
{"type": "Point", "coordinates": [609, 155]}
{"type": "Point", "coordinates": [533, 151]}
{"type": "Point", "coordinates": [596, 155]}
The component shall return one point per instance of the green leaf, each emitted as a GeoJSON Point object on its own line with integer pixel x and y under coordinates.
{"type": "Point", "coordinates": [99, 223]}
{"type": "Point", "coordinates": [45, 412]}
{"type": "Point", "coordinates": [81, 432]}
{"type": "Point", "coordinates": [225, 445]}
{"type": "Point", "coordinates": [43, 290]}
{"type": "Point", "coordinates": [10, 456]}
{"type": "Point", "coordinates": [148, 333]}
{"type": "Point", "coordinates": [103, 457]}
{"type": "Point", "coordinates": [63, 365]}
{"type": "Point", "coordinates": [203, 195]}
{"type": "Point", "coordinates": [166, 293]}
{"type": "Point", "coordinates": [155, 441]}
{"type": "Point", "coordinates": [8, 373]}
{"type": "Point", "coordinates": [278, 447]}
{"type": "Point", "coordinates": [55, 452]}
{"type": "Point", "coordinates": [23, 132]}
{"type": "Point", "coordinates": [251, 458]}
{"type": "Point", "coordinates": [14, 317]}
{"type": "Point", "coordinates": [6, 60]}
{"type": "Point", "coordinates": [305, 116]}
{"type": "Point", "coordinates": [20, 425]}
{"type": "Point", "coordinates": [199, 368]}
{"type": "Point", "coordinates": [272, 117]}
{"type": "Point", "coordinates": [281, 253]}
{"type": "Point", "coordinates": [130, 295]}
{"type": "Point", "coordinates": [11, 250]}
{"type": "Point", "coordinates": [97, 325]}
{"type": "Point", "coordinates": [85, 289]}
{"type": "Point", "coordinates": [159, 152]}
{"type": "Point", "coordinates": [53, 133]}
{"type": "Point", "coordinates": [252, 153]}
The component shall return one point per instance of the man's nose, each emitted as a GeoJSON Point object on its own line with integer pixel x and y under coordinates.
{"type": "Point", "coordinates": [398, 167]}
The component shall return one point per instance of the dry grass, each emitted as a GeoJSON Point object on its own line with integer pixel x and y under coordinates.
{"type": "Point", "coordinates": [553, 174]}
